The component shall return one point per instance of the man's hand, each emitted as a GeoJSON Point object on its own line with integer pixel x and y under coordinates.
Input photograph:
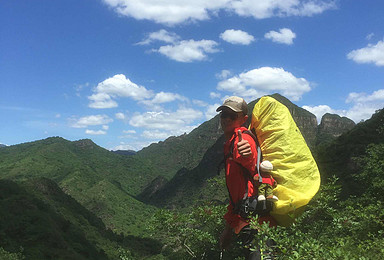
{"type": "Point", "coordinates": [243, 146]}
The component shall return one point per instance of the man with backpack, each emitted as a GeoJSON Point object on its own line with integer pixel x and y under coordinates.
{"type": "Point", "coordinates": [240, 162]}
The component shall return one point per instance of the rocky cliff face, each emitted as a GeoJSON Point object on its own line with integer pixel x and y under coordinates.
{"type": "Point", "coordinates": [331, 127]}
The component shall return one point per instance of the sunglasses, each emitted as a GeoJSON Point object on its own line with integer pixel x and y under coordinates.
{"type": "Point", "coordinates": [230, 115]}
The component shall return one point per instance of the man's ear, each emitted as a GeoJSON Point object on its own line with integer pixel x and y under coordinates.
{"type": "Point", "coordinates": [245, 118]}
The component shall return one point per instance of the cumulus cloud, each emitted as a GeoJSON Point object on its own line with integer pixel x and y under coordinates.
{"type": "Point", "coordinates": [284, 36]}
{"type": "Point", "coordinates": [320, 110]}
{"type": "Point", "coordinates": [370, 54]}
{"type": "Point", "coordinates": [164, 97]}
{"type": "Point", "coordinates": [120, 116]}
{"type": "Point", "coordinates": [102, 100]}
{"type": "Point", "coordinates": [114, 87]}
{"type": "Point", "coordinates": [161, 35]}
{"type": "Point", "coordinates": [92, 120]}
{"type": "Point", "coordinates": [363, 105]}
{"type": "Point", "coordinates": [281, 8]}
{"type": "Point", "coordinates": [214, 95]}
{"type": "Point", "coordinates": [237, 37]}
{"type": "Point", "coordinates": [265, 80]}
{"type": "Point", "coordinates": [376, 96]}
{"type": "Point", "coordinates": [166, 120]}
{"type": "Point", "coordinates": [224, 74]}
{"type": "Point", "coordinates": [188, 50]}
{"type": "Point", "coordinates": [155, 135]}
{"type": "Point", "coordinates": [93, 132]}
{"type": "Point", "coordinates": [171, 12]}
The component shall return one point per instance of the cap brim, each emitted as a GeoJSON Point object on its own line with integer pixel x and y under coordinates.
{"type": "Point", "coordinates": [226, 106]}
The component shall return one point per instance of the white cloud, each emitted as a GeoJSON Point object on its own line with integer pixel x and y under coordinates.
{"type": "Point", "coordinates": [189, 50]}
{"type": "Point", "coordinates": [161, 98]}
{"type": "Point", "coordinates": [129, 131]}
{"type": "Point", "coordinates": [369, 36]}
{"type": "Point", "coordinates": [86, 121]}
{"type": "Point", "coordinates": [224, 74]}
{"type": "Point", "coordinates": [211, 111]}
{"type": "Point", "coordinates": [265, 80]}
{"type": "Point", "coordinates": [155, 135]}
{"type": "Point", "coordinates": [265, 8]}
{"type": "Point", "coordinates": [124, 146]}
{"type": "Point", "coordinates": [162, 35]}
{"type": "Point", "coordinates": [114, 87]}
{"type": "Point", "coordinates": [363, 106]}
{"type": "Point", "coordinates": [199, 103]}
{"type": "Point", "coordinates": [105, 127]}
{"type": "Point", "coordinates": [93, 132]}
{"type": "Point", "coordinates": [102, 100]}
{"type": "Point", "coordinates": [370, 54]}
{"type": "Point", "coordinates": [237, 37]}
{"type": "Point", "coordinates": [168, 12]}
{"type": "Point", "coordinates": [320, 110]}
{"type": "Point", "coordinates": [120, 116]}
{"type": "Point", "coordinates": [284, 36]}
{"type": "Point", "coordinates": [166, 121]}
{"type": "Point", "coordinates": [171, 12]}
{"type": "Point", "coordinates": [165, 97]}
{"type": "Point", "coordinates": [376, 96]}
{"type": "Point", "coordinates": [214, 95]}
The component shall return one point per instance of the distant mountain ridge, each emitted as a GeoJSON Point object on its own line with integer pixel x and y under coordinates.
{"type": "Point", "coordinates": [104, 182]}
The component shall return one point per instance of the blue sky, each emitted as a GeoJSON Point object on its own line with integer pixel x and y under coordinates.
{"type": "Point", "coordinates": [128, 73]}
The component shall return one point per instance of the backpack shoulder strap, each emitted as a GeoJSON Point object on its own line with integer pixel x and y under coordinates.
{"type": "Point", "coordinates": [259, 154]}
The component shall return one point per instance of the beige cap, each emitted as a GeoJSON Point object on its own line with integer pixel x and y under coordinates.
{"type": "Point", "coordinates": [266, 166]}
{"type": "Point", "coordinates": [236, 104]}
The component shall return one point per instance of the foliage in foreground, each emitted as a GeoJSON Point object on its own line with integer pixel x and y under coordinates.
{"type": "Point", "coordinates": [330, 228]}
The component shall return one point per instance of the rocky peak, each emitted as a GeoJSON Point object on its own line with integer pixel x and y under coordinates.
{"type": "Point", "coordinates": [332, 126]}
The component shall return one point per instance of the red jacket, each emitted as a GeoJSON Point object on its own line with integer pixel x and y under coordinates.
{"type": "Point", "coordinates": [235, 179]}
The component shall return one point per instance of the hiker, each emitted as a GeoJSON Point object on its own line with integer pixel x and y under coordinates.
{"type": "Point", "coordinates": [233, 115]}
{"type": "Point", "coordinates": [267, 182]}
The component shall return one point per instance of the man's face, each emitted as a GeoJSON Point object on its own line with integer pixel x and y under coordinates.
{"type": "Point", "coordinates": [230, 120]}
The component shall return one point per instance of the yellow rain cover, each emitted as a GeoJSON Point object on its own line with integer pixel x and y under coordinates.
{"type": "Point", "coordinates": [294, 168]}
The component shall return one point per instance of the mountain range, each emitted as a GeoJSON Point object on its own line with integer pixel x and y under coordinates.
{"type": "Point", "coordinates": [105, 198]}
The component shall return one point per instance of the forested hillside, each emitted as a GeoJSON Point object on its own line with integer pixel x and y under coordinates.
{"type": "Point", "coordinates": [103, 182]}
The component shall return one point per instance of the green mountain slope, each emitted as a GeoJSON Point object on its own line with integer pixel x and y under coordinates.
{"type": "Point", "coordinates": [185, 151]}
{"type": "Point", "coordinates": [337, 158]}
{"type": "Point", "coordinates": [48, 224]}
{"type": "Point", "coordinates": [103, 182]}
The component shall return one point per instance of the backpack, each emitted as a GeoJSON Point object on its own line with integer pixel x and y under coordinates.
{"type": "Point", "coordinates": [294, 168]}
